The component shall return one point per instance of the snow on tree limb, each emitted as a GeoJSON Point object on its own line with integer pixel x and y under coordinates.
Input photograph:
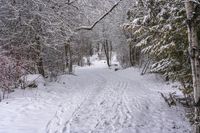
{"type": "Point", "coordinates": [195, 1]}
{"type": "Point", "coordinates": [101, 18]}
{"type": "Point", "coordinates": [71, 2]}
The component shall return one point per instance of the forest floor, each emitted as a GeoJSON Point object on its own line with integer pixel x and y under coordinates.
{"type": "Point", "coordinates": [95, 100]}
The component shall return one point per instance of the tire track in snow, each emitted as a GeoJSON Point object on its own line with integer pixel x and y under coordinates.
{"type": "Point", "coordinates": [109, 112]}
{"type": "Point", "coordinates": [59, 122]}
{"type": "Point", "coordinates": [98, 87]}
{"type": "Point", "coordinates": [111, 109]}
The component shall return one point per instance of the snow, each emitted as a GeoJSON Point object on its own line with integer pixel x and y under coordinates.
{"type": "Point", "coordinates": [33, 78]}
{"type": "Point", "coordinates": [96, 99]}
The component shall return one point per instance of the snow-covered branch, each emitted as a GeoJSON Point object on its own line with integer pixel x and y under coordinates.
{"type": "Point", "coordinates": [195, 1]}
{"type": "Point", "coordinates": [101, 18]}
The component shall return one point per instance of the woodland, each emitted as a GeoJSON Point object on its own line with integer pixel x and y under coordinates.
{"type": "Point", "coordinates": [52, 38]}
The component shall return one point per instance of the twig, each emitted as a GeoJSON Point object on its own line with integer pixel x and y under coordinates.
{"type": "Point", "coordinates": [166, 100]}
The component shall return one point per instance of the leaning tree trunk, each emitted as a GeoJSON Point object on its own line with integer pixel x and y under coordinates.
{"type": "Point", "coordinates": [195, 61]}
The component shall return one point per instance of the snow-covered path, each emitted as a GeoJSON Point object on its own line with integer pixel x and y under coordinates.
{"type": "Point", "coordinates": [97, 100]}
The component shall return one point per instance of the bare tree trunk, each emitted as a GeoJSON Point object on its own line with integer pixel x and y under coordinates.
{"type": "Point", "coordinates": [107, 50]}
{"type": "Point", "coordinates": [39, 63]}
{"type": "Point", "coordinates": [4, 93]}
{"type": "Point", "coordinates": [135, 55]}
{"type": "Point", "coordinates": [195, 61]}
{"type": "Point", "coordinates": [40, 67]}
{"type": "Point", "coordinates": [131, 55]}
{"type": "Point", "coordinates": [70, 60]}
{"type": "Point", "coordinates": [63, 61]}
{"type": "Point", "coordinates": [110, 50]}
{"type": "Point", "coordinates": [68, 57]}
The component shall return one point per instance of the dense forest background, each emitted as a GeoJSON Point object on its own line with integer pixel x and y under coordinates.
{"type": "Point", "coordinates": [44, 36]}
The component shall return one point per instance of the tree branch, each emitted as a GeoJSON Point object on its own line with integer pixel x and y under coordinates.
{"type": "Point", "coordinates": [96, 22]}
{"type": "Point", "coordinates": [195, 1]}
{"type": "Point", "coordinates": [70, 2]}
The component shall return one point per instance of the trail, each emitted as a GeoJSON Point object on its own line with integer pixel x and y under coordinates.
{"type": "Point", "coordinates": [118, 104]}
{"type": "Point", "coordinates": [96, 100]}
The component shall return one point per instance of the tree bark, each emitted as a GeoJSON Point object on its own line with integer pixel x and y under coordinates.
{"type": "Point", "coordinates": [68, 57]}
{"type": "Point", "coordinates": [108, 52]}
{"type": "Point", "coordinates": [194, 57]}
{"type": "Point", "coordinates": [135, 55]}
{"type": "Point", "coordinates": [40, 67]}
{"type": "Point", "coordinates": [131, 55]}
{"type": "Point", "coordinates": [70, 60]}
{"type": "Point", "coordinates": [39, 63]}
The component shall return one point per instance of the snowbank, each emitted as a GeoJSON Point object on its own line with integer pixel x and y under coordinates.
{"type": "Point", "coordinates": [32, 80]}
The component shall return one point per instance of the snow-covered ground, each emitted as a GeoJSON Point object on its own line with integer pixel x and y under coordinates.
{"type": "Point", "coordinates": [95, 100]}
